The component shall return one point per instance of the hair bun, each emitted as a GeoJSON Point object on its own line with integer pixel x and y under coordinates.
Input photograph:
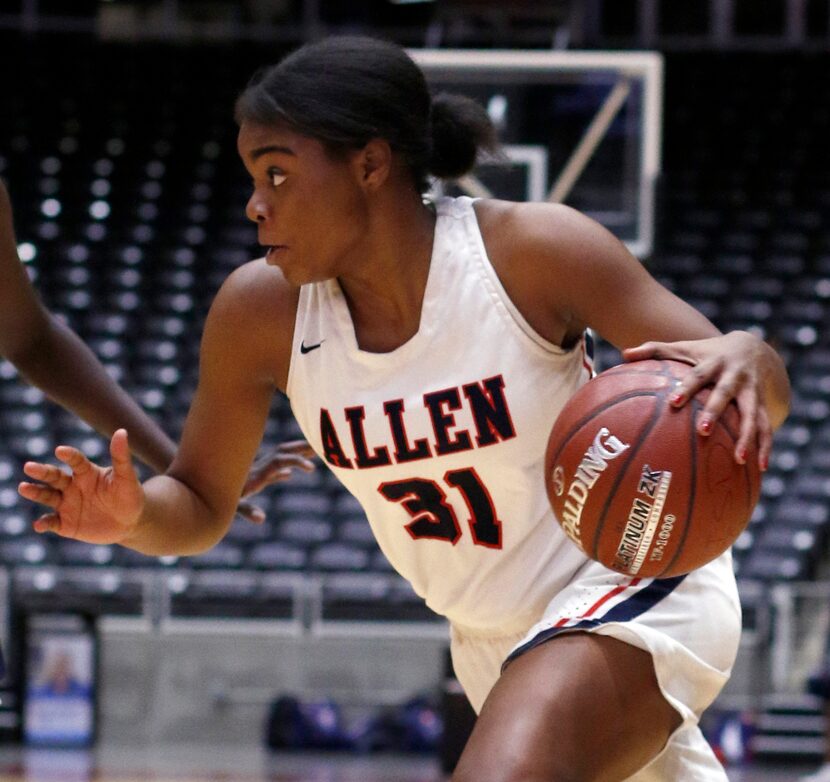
{"type": "Point", "coordinates": [459, 128]}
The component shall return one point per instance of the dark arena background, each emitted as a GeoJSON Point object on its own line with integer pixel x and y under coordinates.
{"type": "Point", "coordinates": [698, 131]}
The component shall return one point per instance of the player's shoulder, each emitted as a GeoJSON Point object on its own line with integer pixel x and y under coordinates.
{"type": "Point", "coordinates": [257, 292]}
{"type": "Point", "coordinates": [549, 258]}
{"type": "Point", "coordinates": [250, 325]}
{"type": "Point", "coordinates": [252, 319]}
{"type": "Point", "coordinates": [536, 229]}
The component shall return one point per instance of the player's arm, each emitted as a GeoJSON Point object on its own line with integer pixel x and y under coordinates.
{"type": "Point", "coordinates": [567, 273]}
{"type": "Point", "coordinates": [49, 355]}
{"type": "Point", "coordinates": [243, 353]}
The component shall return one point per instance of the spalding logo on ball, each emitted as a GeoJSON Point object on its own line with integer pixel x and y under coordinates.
{"type": "Point", "coordinates": [634, 485]}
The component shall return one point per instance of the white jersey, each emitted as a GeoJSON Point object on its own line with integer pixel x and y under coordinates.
{"type": "Point", "coordinates": [442, 440]}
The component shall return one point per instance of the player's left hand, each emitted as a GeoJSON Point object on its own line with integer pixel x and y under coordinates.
{"type": "Point", "coordinates": [272, 468]}
{"type": "Point", "coordinates": [736, 366]}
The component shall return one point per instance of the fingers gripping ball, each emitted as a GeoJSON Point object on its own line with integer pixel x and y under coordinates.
{"type": "Point", "coordinates": [635, 486]}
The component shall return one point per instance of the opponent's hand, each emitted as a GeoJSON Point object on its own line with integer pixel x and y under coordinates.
{"type": "Point", "coordinates": [92, 504]}
{"type": "Point", "coordinates": [735, 364]}
{"type": "Point", "coordinates": [272, 468]}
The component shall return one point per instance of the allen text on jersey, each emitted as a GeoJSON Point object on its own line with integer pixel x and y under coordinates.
{"type": "Point", "coordinates": [486, 400]}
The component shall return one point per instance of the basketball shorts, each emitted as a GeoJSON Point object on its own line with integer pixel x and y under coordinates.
{"type": "Point", "coordinates": [691, 626]}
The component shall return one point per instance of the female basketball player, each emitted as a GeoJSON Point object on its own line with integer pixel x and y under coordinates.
{"type": "Point", "coordinates": [426, 352]}
{"type": "Point", "coordinates": [50, 355]}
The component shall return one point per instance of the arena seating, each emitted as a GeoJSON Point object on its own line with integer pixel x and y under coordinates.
{"type": "Point", "coordinates": [743, 238]}
{"type": "Point", "coordinates": [130, 212]}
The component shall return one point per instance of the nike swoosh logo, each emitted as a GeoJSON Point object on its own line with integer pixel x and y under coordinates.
{"type": "Point", "coordinates": [308, 348]}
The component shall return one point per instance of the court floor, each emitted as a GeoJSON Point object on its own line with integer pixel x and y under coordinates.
{"type": "Point", "coordinates": [195, 763]}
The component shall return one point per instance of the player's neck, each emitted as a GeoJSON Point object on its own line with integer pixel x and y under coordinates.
{"type": "Point", "coordinates": [385, 292]}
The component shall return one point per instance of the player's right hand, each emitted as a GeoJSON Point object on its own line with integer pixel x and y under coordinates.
{"type": "Point", "coordinates": [92, 504]}
{"type": "Point", "coordinates": [735, 365]}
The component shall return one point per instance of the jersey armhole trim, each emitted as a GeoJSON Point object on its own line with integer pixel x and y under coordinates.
{"type": "Point", "coordinates": [491, 279]}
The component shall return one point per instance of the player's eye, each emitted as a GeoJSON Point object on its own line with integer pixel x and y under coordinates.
{"type": "Point", "coordinates": [276, 176]}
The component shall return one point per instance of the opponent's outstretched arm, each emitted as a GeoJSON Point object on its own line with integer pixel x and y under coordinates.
{"type": "Point", "coordinates": [52, 357]}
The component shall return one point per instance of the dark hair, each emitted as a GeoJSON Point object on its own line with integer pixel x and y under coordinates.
{"type": "Point", "coordinates": [346, 90]}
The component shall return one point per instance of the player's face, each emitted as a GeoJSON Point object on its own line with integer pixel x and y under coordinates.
{"type": "Point", "coordinates": [307, 204]}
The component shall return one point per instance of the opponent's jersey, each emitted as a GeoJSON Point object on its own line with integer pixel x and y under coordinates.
{"type": "Point", "coordinates": [442, 440]}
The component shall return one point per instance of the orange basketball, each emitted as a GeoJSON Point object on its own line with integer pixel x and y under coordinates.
{"type": "Point", "coordinates": [635, 486]}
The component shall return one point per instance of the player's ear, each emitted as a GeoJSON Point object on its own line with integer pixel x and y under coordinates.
{"type": "Point", "coordinates": [373, 163]}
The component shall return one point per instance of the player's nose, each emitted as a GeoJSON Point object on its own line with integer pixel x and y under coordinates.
{"type": "Point", "coordinates": [256, 209]}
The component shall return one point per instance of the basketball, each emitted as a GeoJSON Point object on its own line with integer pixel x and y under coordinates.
{"type": "Point", "coordinates": [634, 485]}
